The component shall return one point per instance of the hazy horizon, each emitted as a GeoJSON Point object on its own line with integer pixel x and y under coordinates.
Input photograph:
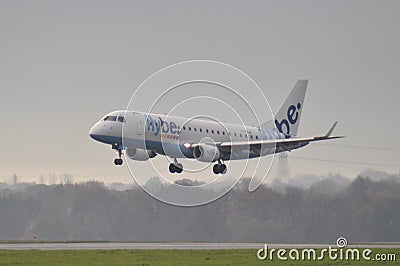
{"type": "Point", "coordinates": [66, 64]}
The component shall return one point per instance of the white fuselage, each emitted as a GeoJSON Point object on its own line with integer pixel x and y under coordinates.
{"type": "Point", "coordinates": [171, 135]}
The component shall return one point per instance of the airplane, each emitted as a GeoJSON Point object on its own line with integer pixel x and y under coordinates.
{"type": "Point", "coordinates": [142, 136]}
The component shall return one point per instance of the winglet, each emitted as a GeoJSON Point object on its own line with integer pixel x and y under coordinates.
{"type": "Point", "coordinates": [331, 130]}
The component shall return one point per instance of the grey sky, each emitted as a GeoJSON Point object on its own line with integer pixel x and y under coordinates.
{"type": "Point", "coordinates": [64, 64]}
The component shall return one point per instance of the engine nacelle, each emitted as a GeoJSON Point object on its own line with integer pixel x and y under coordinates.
{"type": "Point", "coordinates": [206, 153]}
{"type": "Point", "coordinates": [139, 154]}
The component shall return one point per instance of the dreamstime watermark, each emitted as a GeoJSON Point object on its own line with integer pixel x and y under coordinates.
{"type": "Point", "coordinates": [340, 252]}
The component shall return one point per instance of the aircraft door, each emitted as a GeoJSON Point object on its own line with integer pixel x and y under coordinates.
{"type": "Point", "coordinates": [140, 124]}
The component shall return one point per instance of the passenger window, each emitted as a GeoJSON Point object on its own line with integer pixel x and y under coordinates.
{"type": "Point", "coordinates": [184, 128]}
{"type": "Point", "coordinates": [223, 132]}
{"type": "Point", "coordinates": [207, 130]}
{"type": "Point", "coordinates": [256, 137]}
{"type": "Point", "coordinates": [190, 128]}
{"type": "Point", "coordinates": [212, 131]}
{"type": "Point", "coordinates": [235, 134]}
{"type": "Point", "coordinates": [195, 129]}
{"type": "Point", "coordinates": [251, 136]}
{"type": "Point", "coordinates": [218, 132]}
{"type": "Point", "coordinates": [240, 134]}
{"type": "Point", "coordinates": [201, 130]}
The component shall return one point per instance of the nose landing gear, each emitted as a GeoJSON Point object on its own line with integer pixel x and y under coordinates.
{"type": "Point", "coordinates": [118, 161]}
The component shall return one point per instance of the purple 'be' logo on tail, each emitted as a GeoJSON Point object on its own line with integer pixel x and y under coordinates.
{"type": "Point", "coordinates": [292, 117]}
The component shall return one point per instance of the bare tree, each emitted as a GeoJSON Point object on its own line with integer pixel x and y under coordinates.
{"type": "Point", "coordinates": [52, 179]}
{"type": "Point", "coordinates": [67, 179]}
{"type": "Point", "coordinates": [14, 179]}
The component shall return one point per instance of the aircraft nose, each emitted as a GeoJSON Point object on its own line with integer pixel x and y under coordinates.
{"type": "Point", "coordinates": [93, 133]}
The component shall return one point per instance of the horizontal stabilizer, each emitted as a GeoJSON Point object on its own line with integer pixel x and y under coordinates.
{"type": "Point", "coordinates": [331, 129]}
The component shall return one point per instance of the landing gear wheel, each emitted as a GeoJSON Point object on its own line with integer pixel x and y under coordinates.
{"type": "Point", "coordinates": [178, 168]}
{"type": "Point", "coordinates": [216, 169]}
{"type": "Point", "coordinates": [219, 168]}
{"type": "Point", "coordinates": [175, 167]}
{"type": "Point", "coordinates": [172, 168]}
{"type": "Point", "coordinates": [223, 169]}
{"type": "Point", "coordinates": [118, 161]}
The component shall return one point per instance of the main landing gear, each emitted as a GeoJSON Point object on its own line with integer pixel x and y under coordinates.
{"type": "Point", "coordinates": [219, 168]}
{"type": "Point", "coordinates": [118, 161]}
{"type": "Point", "coordinates": [175, 167]}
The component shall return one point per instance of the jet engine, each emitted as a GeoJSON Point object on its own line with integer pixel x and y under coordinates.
{"type": "Point", "coordinates": [139, 154]}
{"type": "Point", "coordinates": [206, 153]}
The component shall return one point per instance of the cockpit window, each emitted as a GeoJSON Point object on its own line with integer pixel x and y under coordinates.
{"type": "Point", "coordinates": [121, 119]}
{"type": "Point", "coordinates": [110, 118]}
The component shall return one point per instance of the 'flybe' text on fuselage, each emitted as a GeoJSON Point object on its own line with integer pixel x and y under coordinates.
{"type": "Point", "coordinates": [161, 126]}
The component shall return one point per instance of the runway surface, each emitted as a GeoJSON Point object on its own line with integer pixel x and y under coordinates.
{"type": "Point", "coordinates": [172, 245]}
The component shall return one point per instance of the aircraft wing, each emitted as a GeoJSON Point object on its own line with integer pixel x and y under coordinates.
{"type": "Point", "coordinates": [279, 144]}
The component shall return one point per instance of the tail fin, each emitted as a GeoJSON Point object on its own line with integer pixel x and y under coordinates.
{"type": "Point", "coordinates": [287, 119]}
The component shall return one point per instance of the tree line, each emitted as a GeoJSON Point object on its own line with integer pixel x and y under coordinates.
{"type": "Point", "coordinates": [365, 210]}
